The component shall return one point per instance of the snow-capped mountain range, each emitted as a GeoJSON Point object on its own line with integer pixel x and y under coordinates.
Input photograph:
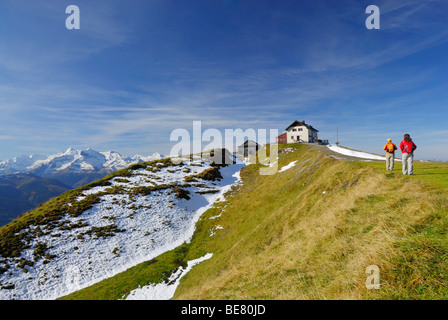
{"type": "Point", "coordinates": [72, 161]}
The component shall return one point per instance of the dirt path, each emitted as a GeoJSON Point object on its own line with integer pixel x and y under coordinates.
{"type": "Point", "coordinates": [332, 154]}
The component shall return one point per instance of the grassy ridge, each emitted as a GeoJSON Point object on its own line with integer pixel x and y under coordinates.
{"type": "Point", "coordinates": [309, 233]}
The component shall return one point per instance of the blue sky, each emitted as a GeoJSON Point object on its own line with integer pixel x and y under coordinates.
{"type": "Point", "coordinates": [137, 70]}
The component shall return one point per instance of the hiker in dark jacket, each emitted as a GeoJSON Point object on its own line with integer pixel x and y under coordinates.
{"type": "Point", "coordinates": [407, 147]}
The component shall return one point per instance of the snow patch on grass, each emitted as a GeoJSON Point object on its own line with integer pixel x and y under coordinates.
{"type": "Point", "coordinates": [165, 290]}
{"type": "Point", "coordinates": [289, 166]}
{"type": "Point", "coordinates": [124, 228]}
{"type": "Point", "coordinates": [353, 153]}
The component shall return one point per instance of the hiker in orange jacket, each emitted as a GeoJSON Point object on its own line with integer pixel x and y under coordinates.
{"type": "Point", "coordinates": [390, 148]}
{"type": "Point", "coordinates": [407, 147]}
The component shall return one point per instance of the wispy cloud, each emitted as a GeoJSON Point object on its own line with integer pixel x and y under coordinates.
{"type": "Point", "coordinates": [48, 43]}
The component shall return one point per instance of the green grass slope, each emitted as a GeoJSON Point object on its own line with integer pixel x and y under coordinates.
{"type": "Point", "coordinates": [310, 232]}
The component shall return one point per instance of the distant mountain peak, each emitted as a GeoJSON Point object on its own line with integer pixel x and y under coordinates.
{"type": "Point", "coordinates": [72, 160]}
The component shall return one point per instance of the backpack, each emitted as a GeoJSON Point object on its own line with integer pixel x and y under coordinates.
{"type": "Point", "coordinates": [390, 147]}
